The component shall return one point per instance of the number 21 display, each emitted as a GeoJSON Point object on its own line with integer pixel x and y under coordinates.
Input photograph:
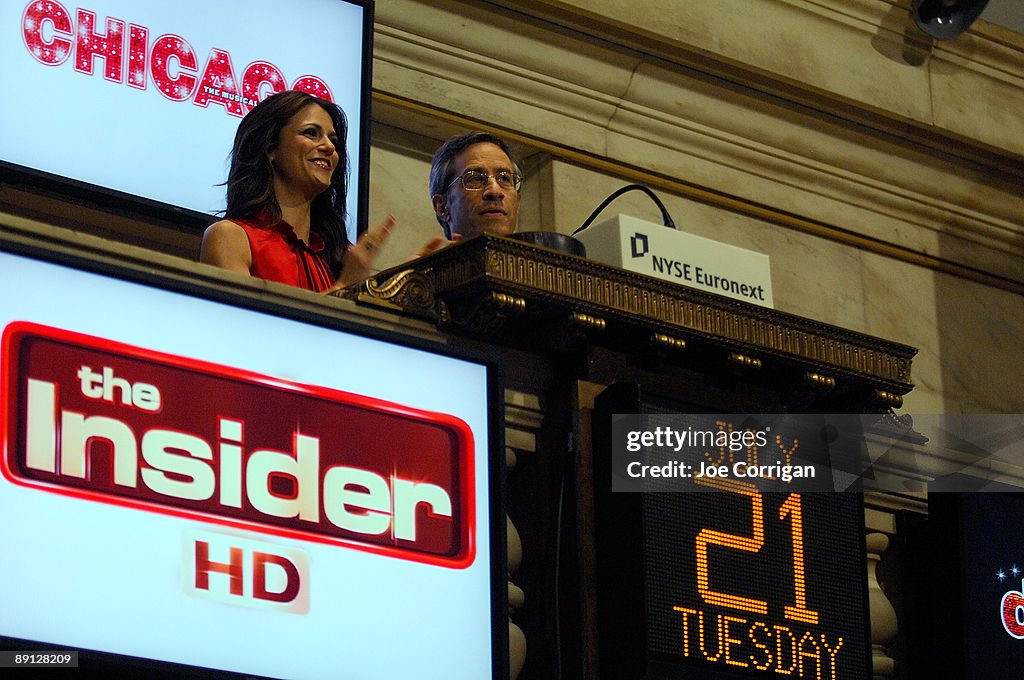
{"type": "Point", "coordinates": [742, 583]}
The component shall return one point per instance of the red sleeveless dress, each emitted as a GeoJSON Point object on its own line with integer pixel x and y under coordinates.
{"type": "Point", "coordinates": [278, 254]}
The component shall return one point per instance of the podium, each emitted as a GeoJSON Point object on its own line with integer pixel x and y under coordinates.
{"type": "Point", "coordinates": [516, 294]}
{"type": "Point", "coordinates": [568, 328]}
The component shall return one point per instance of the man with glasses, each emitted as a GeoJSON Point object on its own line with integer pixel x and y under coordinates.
{"type": "Point", "coordinates": [474, 185]}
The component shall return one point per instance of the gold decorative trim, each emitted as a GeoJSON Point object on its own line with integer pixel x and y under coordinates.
{"type": "Point", "coordinates": [824, 383]}
{"type": "Point", "coordinates": [509, 303]}
{"type": "Point", "coordinates": [517, 276]}
{"type": "Point", "coordinates": [589, 322]}
{"type": "Point", "coordinates": [485, 314]}
{"type": "Point", "coordinates": [888, 399]}
{"type": "Point", "coordinates": [407, 289]}
{"type": "Point", "coordinates": [743, 361]}
{"type": "Point", "coordinates": [668, 341]}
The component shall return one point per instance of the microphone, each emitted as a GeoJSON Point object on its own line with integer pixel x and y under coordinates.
{"type": "Point", "coordinates": [666, 219]}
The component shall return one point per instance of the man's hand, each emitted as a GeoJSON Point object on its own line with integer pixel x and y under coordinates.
{"type": "Point", "coordinates": [435, 244]}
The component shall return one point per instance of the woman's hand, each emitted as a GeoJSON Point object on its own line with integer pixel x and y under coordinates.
{"type": "Point", "coordinates": [357, 264]}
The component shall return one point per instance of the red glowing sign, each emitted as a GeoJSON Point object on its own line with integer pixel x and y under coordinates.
{"type": "Point", "coordinates": [105, 421]}
{"type": "Point", "coordinates": [126, 54]}
{"type": "Point", "coordinates": [1011, 610]}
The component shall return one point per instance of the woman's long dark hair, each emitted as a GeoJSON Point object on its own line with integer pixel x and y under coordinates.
{"type": "Point", "coordinates": [250, 185]}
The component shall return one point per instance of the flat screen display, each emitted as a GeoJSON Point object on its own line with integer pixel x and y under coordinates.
{"type": "Point", "coordinates": [142, 99]}
{"type": "Point", "coordinates": [749, 584]}
{"type": "Point", "coordinates": [199, 483]}
{"type": "Point", "coordinates": [967, 603]}
{"type": "Point", "coordinates": [720, 580]}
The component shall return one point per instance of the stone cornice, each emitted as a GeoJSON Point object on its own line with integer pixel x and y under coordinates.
{"type": "Point", "coordinates": [457, 77]}
{"type": "Point", "coordinates": [721, 39]}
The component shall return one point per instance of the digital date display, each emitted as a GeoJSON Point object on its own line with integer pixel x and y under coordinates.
{"type": "Point", "coordinates": [757, 584]}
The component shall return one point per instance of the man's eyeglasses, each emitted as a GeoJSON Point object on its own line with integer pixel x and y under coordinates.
{"type": "Point", "coordinates": [475, 180]}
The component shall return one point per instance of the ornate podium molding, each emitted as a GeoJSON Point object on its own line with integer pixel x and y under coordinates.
{"type": "Point", "coordinates": [490, 285]}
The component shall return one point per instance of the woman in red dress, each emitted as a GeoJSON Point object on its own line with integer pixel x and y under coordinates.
{"type": "Point", "coordinates": [286, 189]}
